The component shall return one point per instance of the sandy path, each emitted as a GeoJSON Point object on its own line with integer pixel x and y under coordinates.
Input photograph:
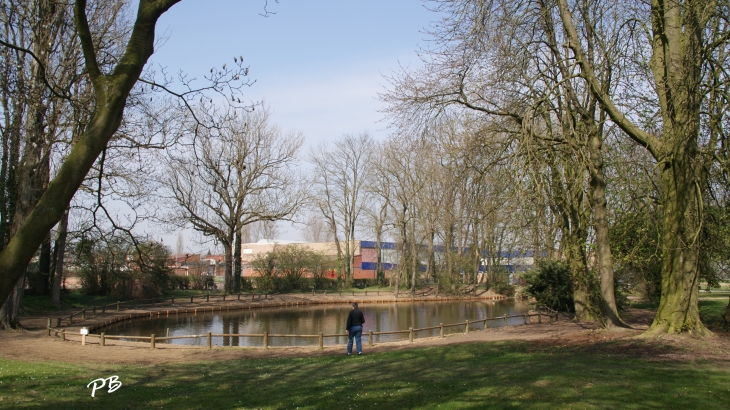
{"type": "Point", "coordinates": [34, 345]}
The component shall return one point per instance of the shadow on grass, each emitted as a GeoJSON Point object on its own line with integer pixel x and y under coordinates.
{"type": "Point", "coordinates": [478, 375]}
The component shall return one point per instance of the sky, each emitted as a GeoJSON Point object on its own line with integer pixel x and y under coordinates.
{"type": "Point", "coordinates": [318, 64]}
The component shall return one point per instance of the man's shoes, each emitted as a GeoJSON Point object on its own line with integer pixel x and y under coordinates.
{"type": "Point", "coordinates": [348, 354]}
{"type": "Point", "coordinates": [359, 353]}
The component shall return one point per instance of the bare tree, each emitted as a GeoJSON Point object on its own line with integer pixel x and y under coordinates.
{"type": "Point", "coordinates": [234, 174]}
{"type": "Point", "coordinates": [341, 174]}
{"type": "Point", "coordinates": [315, 228]}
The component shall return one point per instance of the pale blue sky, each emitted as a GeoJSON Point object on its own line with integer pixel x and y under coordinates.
{"type": "Point", "coordinates": [318, 64]}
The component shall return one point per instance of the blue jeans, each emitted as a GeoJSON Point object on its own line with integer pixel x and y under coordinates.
{"type": "Point", "coordinates": [355, 332]}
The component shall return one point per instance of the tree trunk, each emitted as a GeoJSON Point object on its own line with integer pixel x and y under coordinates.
{"type": "Point", "coordinates": [11, 308]}
{"type": "Point", "coordinates": [678, 310]}
{"type": "Point", "coordinates": [237, 263]}
{"type": "Point", "coordinates": [228, 249]}
{"type": "Point", "coordinates": [59, 251]}
{"type": "Point", "coordinates": [597, 186]}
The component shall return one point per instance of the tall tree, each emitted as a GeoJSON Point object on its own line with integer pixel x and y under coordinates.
{"type": "Point", "coordinates": [238, 172]}
{"type": "Point", "coordinates": [341, 175]}
{"type": "Point", "coordinates": [683, 37]}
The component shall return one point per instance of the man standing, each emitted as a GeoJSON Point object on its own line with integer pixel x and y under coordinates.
{"type": "Point", "coordinates": [355, 320]}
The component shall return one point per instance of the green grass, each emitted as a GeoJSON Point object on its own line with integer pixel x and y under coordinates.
{"type": "Point", "coordinates": [478, 375]}
{"type": "Point", "coordinates": [711, 312]}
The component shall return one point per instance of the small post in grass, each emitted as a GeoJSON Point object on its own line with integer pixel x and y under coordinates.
{"type": "Point", "coordinates": [466, 329]}
{"type": "Point", "coordinates": [210, 341]}
{"type": "Point", "coordinates": [370, 338]}
{"type": "Point", "coordinates": [441, 330]}
{"type": "Point", "coordinates": [48, 326]}
{"type": "Point", "coordinates": [191, 298]}
{"type": "Point", "coordinates": [266, 340]}
{"type": "Point", "coordinates": [207, 297]}
{"type": "Point", "coordinates": [410, 334]}
{"type": "Point", "coordinates": [321, 340]}
{"type": "Point", "coordinates": [152, 340]}
{"type": "Point", "coordinates": [83, 313]}
{"type": "Point", "coordinates": [102, 342]}
{"type": "Point", "coordinates": [505, 320]}
{"type": "Point", "coordinates": [63, 335]}
{"type": "Point", "coordinates": [117, 306]}
{"type": "Point", "coordinates": [172, 302]}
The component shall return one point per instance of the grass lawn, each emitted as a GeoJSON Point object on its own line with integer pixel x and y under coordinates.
{"type": "Point", "coordinates": [712, 311]}
{"type": "Point", "coordinates": [606, 375]}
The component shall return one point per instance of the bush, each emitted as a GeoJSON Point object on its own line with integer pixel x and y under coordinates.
{"type": "Point", "coordinates": [551, 284]}
{"type": "Point", "coordinates": [178, 282]}
{"type": "Point", "coordinates": [498, 282]}
{"type": "Point", "coordinates": [290, 267]}
{"type": "Point", "coordinates": [116, 267]}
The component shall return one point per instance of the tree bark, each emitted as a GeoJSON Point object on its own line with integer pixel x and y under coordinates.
{"type": "Point", "coordinates": [59, 251]}
{"type": "Point", "coordinates": [237, 263]}
{"type": "Point", "coordinates": [228, 249]}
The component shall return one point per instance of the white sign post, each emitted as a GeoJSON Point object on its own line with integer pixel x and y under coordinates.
{"type": "Point", "coordinates": [84, 332]}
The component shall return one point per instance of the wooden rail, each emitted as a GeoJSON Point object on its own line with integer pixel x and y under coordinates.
{"type": "Point", "coordinates": [63, 334]}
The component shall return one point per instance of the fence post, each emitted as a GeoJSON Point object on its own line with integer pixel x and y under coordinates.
{"type": "Point", "coordinates": [505, 320]}
{"type": "Point", "coordinates": [210, 341]}
{"type": "Point", "coordinates": [48, 326]}
{"type": "Point", "coordinates": [224, 297]}
{"type": "Point", "coordinates": [102, 343]}
{"type": "Point", "coordinates": [167, 334]}
{"type": "Point", "coordinates": [370, 338]}
{"type": "Point", "coordinates": [63, 335]}
{"type": "Point", "coordinates": [524, 318]}
{"type": "Point", "coordinates": [83, 313]}
{"type": "Point", "coordinates": [207, 297]}
{"type": "Point", "coordinates": [152, 340]}
{"type": "Point", "coordinates": [410, 334]}
{"type": "Point", "coordinates": [58, 322]}
{"type": "Point", "coordinates": [266, 340]}
{"type": "Point", "coordinates": [466, 329]}
{"type": "Point", "coordinates": [441, 332]}
{"type": "Point", "coordinates": [191, 298]}
{"type": "Point", "coordinates": [321, 340]}
{"type": "Point", "coordinates": [71, 319]}
{"type": "Point", "coordinates": [539, 317]}
{"type": "Point", "coordinates": [117, 306]}
{"type": "Point", "coordinates": [485, 324]}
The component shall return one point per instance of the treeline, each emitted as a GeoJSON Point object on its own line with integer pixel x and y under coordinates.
{"type": "Point", "coordinates": [562, 127]}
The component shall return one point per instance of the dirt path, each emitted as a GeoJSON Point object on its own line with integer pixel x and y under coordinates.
{"type": "Point", "coordinates": [35, 345]}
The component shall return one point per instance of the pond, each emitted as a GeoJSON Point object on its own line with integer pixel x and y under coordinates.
{"type": "Point", "coordinates": [329, 319]}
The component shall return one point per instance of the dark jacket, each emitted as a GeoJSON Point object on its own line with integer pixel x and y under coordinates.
{"type": "Point", "coordinates": [355, 318]}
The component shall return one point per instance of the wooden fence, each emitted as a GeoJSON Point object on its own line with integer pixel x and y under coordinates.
{"type": "Point", "coordinates": [153, 339]}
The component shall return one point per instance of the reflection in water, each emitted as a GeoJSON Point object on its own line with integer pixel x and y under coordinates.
{"type": "Point", "coordinates": [310, 320]}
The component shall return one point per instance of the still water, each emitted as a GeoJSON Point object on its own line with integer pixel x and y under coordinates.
{"type": "Point", "coordinates": [310, 320]}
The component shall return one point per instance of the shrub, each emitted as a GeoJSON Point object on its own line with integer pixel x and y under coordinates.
{"type": "Point", "coordinates": [551, 284]}
{"type": "Point", "coordinates": [498, 282]}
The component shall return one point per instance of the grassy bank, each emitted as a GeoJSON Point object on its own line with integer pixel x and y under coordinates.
{"type": "Point", "coordinates": [480, 375]}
